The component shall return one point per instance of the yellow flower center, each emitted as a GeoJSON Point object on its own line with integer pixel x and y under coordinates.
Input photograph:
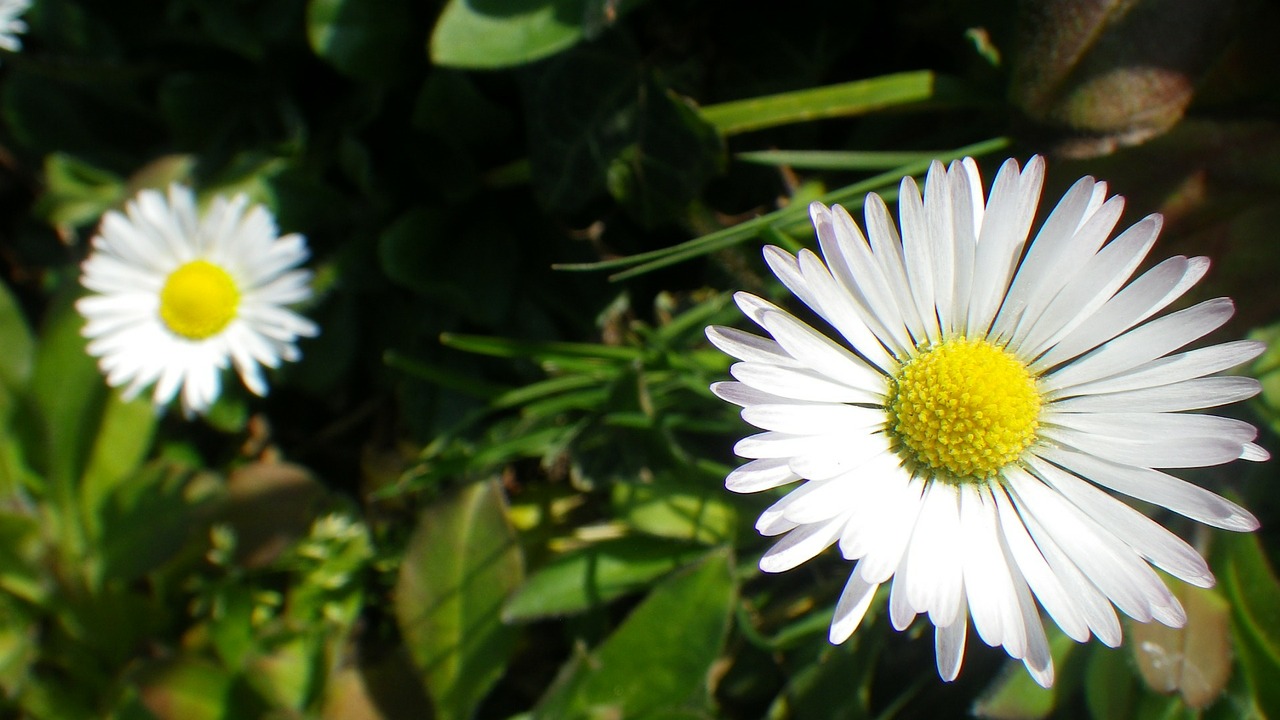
{"type": "Point", "coordinates": [198, 300]}
{"type": "Point", "coordinates": [965, 409]}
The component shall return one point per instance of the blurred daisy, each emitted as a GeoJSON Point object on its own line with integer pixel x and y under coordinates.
{"type": "Point", "coordinates": [10, 24]}
{"type": "Point", "coordinates": [965, 437]}
{"type": "Point", "coordinates": [175, 296]}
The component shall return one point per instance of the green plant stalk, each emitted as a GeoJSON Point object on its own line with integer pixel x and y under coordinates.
{"type": "Point", "coordinates": [850, 99]}
{"type": "Point", "coordinates": [850, 196]}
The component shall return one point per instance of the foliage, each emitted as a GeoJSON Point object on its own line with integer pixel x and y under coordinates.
{"type": "Point", "coordinates": [493, 487]}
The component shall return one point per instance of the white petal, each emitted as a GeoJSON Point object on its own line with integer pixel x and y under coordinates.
{"type": "Point", "coordinates": [887, 247]}
{"type": "Point", "coordinates": [935, 584]}
{"type": "Point", "coordinates": [916, 253]}
{"type": "Point", "coordinates": [1155, 487]}
{"type": "Point", "coordinates": [1039, 265]}
{"type": "Point", "coordinates": [882, 541]}
{"type": "Point", "coordinates": [852, 607]}
{"type": "Point", "coordinates": [1032, 566]}
{"type": "Point", "coordinates": [1147, 537]}
{"type": "Point", "coordinates": [815, 418]}
{"type": "Point", "coordinates": [1090, 289]}
{"type": "Point", "coordinates": [1194, 394]}
{"type": "Point", "coordinates": [1144, 297]}
{"type": "Point", "coordinates": [1005, 226]}
{"type": "Point", "coordinates": [948, 646]}
{"type": "Point", "coordinates": [821, 354]}
{"type": "Point", "coordinates": [861, 277]}
{"type": "Point", "coordinates": [758, 475]}
{"type": "Point", "coordinates": [1143, 427]}
{"type": "Point", "coordinates": [745, 346]}
{"type": "Point", "coordinates": [1172, 369]}
{"type": "Point", "coordinates": [799, 384]}
{"type": "Point", "coordinates": [800, 545]}
{"type": "Point", "coordinates": [1143, 344]}
{"type": "Point", "coordinates": [1109, 564]}
{"type": "Point", "coordinates": [1159, 452]}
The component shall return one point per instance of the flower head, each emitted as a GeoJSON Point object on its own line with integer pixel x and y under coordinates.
{"type": "Point", "coordinates": [11, 26]}
{"type": "Point", "coordinates": [969, 435]}
{"type": "Point", "coordinates": [175, 296]}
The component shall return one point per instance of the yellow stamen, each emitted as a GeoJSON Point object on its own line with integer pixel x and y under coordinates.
{"type": "Point", "coordinates": [965, 409]}
{"type": "Point", "coordinates": [198, 300]}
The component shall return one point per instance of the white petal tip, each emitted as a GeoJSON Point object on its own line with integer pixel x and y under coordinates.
{"type": "Point", "coordinates": [1043, 676]}
{"type": "Point", "coordinates": [1254, 453]}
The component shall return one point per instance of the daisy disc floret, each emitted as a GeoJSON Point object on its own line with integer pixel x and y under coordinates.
{"type": "Point", "coordinates": [970, 431]}
{"type": "Point", "coordinates": [177, 296]}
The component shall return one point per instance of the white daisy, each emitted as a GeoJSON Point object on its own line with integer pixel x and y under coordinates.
{"type": "Point", "coordinates": [175, 296]}
{"type": "Point", "coordinates": [968, 435]}
{"type": "Point", "coordinates": [11, 26]}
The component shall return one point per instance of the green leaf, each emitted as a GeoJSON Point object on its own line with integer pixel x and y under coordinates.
{"type": "Point", "coordinates": [144, 520]}
{"type": "Point", "coordinates": [76, 192]}
{"type": "Point", "coordinates": [593, 575]}
{"type": "Point", "coordinates": [15, 338]}
{"type": "Point", "coordinates": [122, 442]}
{"type": "Point", "coordinates": [675, 154]}
{"type": "Point", "coordinates": [1015, 696]}
{"type": "Point", "coordinates": [835, 159]}
{"type": "Point", "coordinates": [460, 566]}
{"type": "Point", "coordinates": [371, 41]}
{"type": "Point", "coordinates": [659, 658]}
{"type": "Point", "coordinates": [1110, 686]}
{"type": "Point", "coordinates": [851, 196]}
{"type": "Point", "coordinates": [489, 34]}
{"type": "Point", "coordinates": [845, 100]}
{"type": "Point", "coordinates": [1252, 586]}
{"type": "Point", "coordinates": [430, 252]}
{"type": "Point", "coordinates": [834, 683]}
{"type": "Point", "coordinates": [600, 120]}
{"type": "Point", "coordinates": [677, 508]}
{"type": "Point", "coordinates": [185, 688]}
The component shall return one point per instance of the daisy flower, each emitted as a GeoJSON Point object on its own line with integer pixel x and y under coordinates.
{"type": "Point", "coordinates": [10, 24]}
{"type": "Point", "coordinates": [969, 436]}
{"type": "Point", "coordinates": [175, 295]}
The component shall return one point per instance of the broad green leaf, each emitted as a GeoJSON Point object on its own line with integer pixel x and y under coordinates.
{"type": "Point", "coordinates": [19, 645]}
{"type": "Point", "coordinates": [848, 99]}
{"type": "Point", "coordinates": [673, 508]}
{"type": "Point", "coordinates": [22, 557]}
{"type": "Point", "coordinates": [15, 338]}
{"type": "Point", "coordinates": [372, 41]}
{"type": "Point", "coordinates": [599, 109]}
{"type": "Point", "coordinates": [69, 394]}
{"type": "Point", "coordinates": [1015, 696]}
{"type": "Point", "coordinates": [834, 683]}
{"type": "Point", "coordinates": [285, 674]}
{"type": "Point", "coordinates": [460, 566]}
{"type": "Point", "coordinates": [186, 688]}
{"type": "Point", "coordinates": [431, 252]}
{"type": "Point", "coordinates": [143, 520]}
{"type": "Point", "coordinates": [122, 443]}
{"type": "Point", "coordinates": [489, 34]}
{"type": "Point", "coordinates": [77, 193]}
{"type": "Point", "coordinates": [676, 152]}
{"type": "Point", "coordinates": [658, 660]}
{"type": "Point", "coordinates": [585, 577]}
{"type": "Point", "coordinates": [1251, 584]}
{"type": "Point", "coordinates": [1110, 684]}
